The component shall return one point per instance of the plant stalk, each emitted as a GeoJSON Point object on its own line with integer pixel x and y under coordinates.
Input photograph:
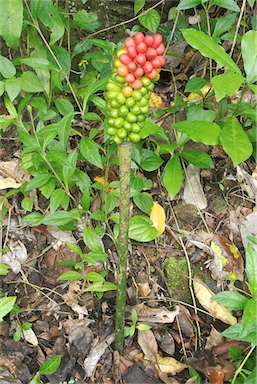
{"type": "Point", "coordinates": [124, 155]}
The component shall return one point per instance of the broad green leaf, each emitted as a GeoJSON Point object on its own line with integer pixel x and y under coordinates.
{"type": "Point", "coordinates": [91, 240]}
{"type": "Point", "coordinates": [198, 158]}
{"type": "Point", "coordinates": [1, 88]}
{"type": "Point", "coordinates": [249, 53]}
{"type": "Point", "coordinates": [7, 69]}
{"type": "Point", "coordinates": [172, 176]}
{"type": "Point", "coordinates": [150, 128]}
{"type": "Point", "coordinates": [141, 229]}
{"type": "Point", "coordinates": [4, 269]}
{"type": "Point", "coordinates": [101, 287]}
{"type": "Point", "coordinates": [30, 82]}
{"type": "Point", "coordinates": [235, 141]}
{"type": "Point", "coordinates": [39, 63]}
{"type": "Point", "coordinates": [12, 87]}
{"type": "Point", "coordinates": [251, 270]}
{"type": "Point", "coordinates": [10, 107]}
{"type": "Point", "coordinates": [85, 20]}
{"type": "Point", "coordinates": [209, 48]}
{"type": "Point", "coordinates": [39, 103]}
{"type": "Point", "coordinates": [249, 331]}
{"type": "Point", "coordinates": [200, 131]}
{"type": "Point", "coordinates": [226, 84]}
{"type": "Point", "coordinates": [38, 181]}
{"type": "Point", "coordinates": [144, 202]}
{"type": "Point", "coordinates": [33, 219]}
{"type": "Point", "coordinates": [95, 257]}
{"type": "Point", "coordinates": [138, 5]}
{"type": "Point", "coordinates": [49, 16]}
{"type": "Point", "coordinates": [224, 23]}
{"type": "Point", "coordinates": [75, 248]}
{"type": "Point", "coordinates": [70, 166]}
{"type": "Point", "coordinates": [90, 151]}
{"type": "Point", "coordinates": [50, 366]}
{"type": "Point", "coordinates": [251, 2]}
{"type": "Point", "coordinates": [150, 20]}
{"type": "Point", "coordinates": [70, 276]}
{"type": "Point", "coordinates": [60, 218]}
{"type": "Point", "coordinates": [47, 134]}
{"type": "Point", "coordinates": [231, 5]}
{"type": "Point", "coordinates": [94, 277]}
{"type": "Point", "coordinates": [232, 300]}
{"type": "Point", "coordinates": [65, 129]}
{"type": "Point", "coordinates": [195, 84]}
{"type": "Point", "coordinates": [196, 112]}
{"type": "Point", "coordinates": [187, 4]}
{"type": "Point", "coordinates": [62, 56]}
{"type": "Point", "coordinates": [58, 198]}
{"type": "Point", "coordinates": [6, 305]}
{"type": "Point", "coordinates": [63, 106]}
{"type": "Point", "coordinates": [252, 377]}
{"type": "Point", "coordinates": [27, 204]}
{"type": "Point", "coordinates": [91, 89]}
{"type": "Point", "coordinates": [150, 161]}
{"type": "Point", "coordinates": [11, 18]}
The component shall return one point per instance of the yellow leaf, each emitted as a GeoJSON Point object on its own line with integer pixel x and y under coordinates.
{"type": "Point", "coordinates": [204, 296]}
{"type": "Point", "coordinates": [194, 97]}
{"type": "Point", "coordinates": [170, 365]}
{"type": "Point", "coordinates": [155, 100]}
{"type": "Point", "coordinates": [7, 182]}
{"type": "Point", "coordinates": [158, 218]}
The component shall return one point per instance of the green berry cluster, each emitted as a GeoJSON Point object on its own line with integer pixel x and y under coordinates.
{"type": "Point", "coordinates": [128, 88]}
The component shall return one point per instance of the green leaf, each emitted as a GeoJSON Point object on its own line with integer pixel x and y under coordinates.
{"type": "Point", "coordinates": [235, 142]}
{"type": "Point", "coordinates": [251, 270]}
{"type": "Point", "coordinates": [172, 176]}
{"type": "Point", "coordinates": [11, 18]}
{"type": "Point", "coordinates": [38, 181]}
{"type": "Point", "coordinates": [70, 276]}
{"type": "Point", "coordinates": [49, 16]}
{"type": "Point", "coordinates": [65, 128]}
{"type": "Point", "coordinates": [50, 366]}
{"type": "Point", "coordinates": [251, 2]}
{"type": "Point", "coordinates": [144, 202]}
{"type": "Point", "coordinates": [39, 103]}
{"type": "Point", "coordinates": [12, 87]}
{"type": "Point", "coordinates": [75, 248]}
{"type": "Point", "coordinates": [150, 20]}
{"type": "Point", "coordinates": [143, 327]}
{"type": "Point", "coordinates": [209, 48]}
{"type": "Point", "coordinates": [134, 317]}
{"type": "Point", "coordinates": [252, 378]}
{"type": "Point", "coordinates": [232, 300]}
{"type": "Point", "coordinates": [248, 331]}
{"type": "Point", "coordinates": [1, 88]}
{"type": "Point", "coordinates": [90, 151]}
{"type": "Point", "coordinates": [58, 198]}
{"type": "Point", "coordinates": [141, 229]}
{"type": "Point", "coordinates": [4, 269]}
{"type": "Point", "coordinates": [27, 204]}
{"type": "Point", "coordinates": [150, 128]}
{"type": "Point", "coordinates": [91, 89]}
{"type": "Point", "coordinates": [33, 219]}
{"type": "Point", "coordinates": [195, 84]}
{"type": "Point", "coordinates": [70, 166]}
{"type": "Point", "coordinates": [60, 218]}
{"type": "Point", "coordinates": [63, 106]}
{"type": "Point", "coordinates": [30, 82]}
{"type": "Point", "coordinates": [249, 53]}
{"type": "Point", "coordinates": [95, 257]}
{"type": "Point", "coordinates": [150, 161]}
{"type": "Point", "coordinates": [85, 20]}
{"type": "Point", "coordinates": [200, 131]}
{"type": "Point", "coordinates": [94, 277]}
{"type": "Point", "coordinates": [91, 240]}
{"type": "Point", "coordinates": [138, 5]}
{"type": "Point", "coordinates": [62, 56]}
{"type": "Point", "coordinates": [7, 69]}
{"type": "Point", "coordinates": [224, 23]}
{"type": "Point", "coordinates": [101, 287]}
{"type": "Point", "coordinates": [226, 84]}
{"type": "Point", "coordinates": [17, 335]}
{"type": "Point", "coordinates": [198, 158]}
{"type": "Point", "coordinates": [6, 305]}
{"type": "Point", "coordinates": [227, 4]}
{"type": "Point", "coordinates": [187, 4]}
{"type": "Point", "coordinates": [39, 63]}
{"type": "Point", "coordinates": [10, 107]}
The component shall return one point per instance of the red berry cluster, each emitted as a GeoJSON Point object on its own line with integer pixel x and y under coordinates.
{"type": "Point", "coordinates": [136, 68]}
{"type": "Point", "coordinates": [141, 55]}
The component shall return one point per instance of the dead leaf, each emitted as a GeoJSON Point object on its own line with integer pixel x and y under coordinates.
{"type": "Point", "coordinates": [216, 377]}
{"type": "Point", "coordinates": [193, 191]}
{"type": "Point", "coordinates": [204, 296]}
{"type": "Point", "coordinates": [8, 182]}
{"type": "Point", "coordinates": [16, 256]}
{"type": "Point", "coordinates": [148, 344]}
{"type": "Point", "coordinates": [156, 315]}
{"type": "Point", "coordinates": [165, 341]}
{"type": "Point", "coordinates": [30, 336]}
{"type": "Point", "coordinates": [195, 98]}
{"type": "Point", "coordinates": [249, 228]}
{"type": "Point", "coordinates": [158, 217]}
{"type": "Point", "coordinates": [170, 365]}
{"type": "Point", "coordinates": [156, 101]}
{"type": "Point", "coordinates": [214, 338]}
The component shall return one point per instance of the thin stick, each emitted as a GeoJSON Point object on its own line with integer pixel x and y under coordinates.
{"type": "Point", "coordinates": [124, 154]}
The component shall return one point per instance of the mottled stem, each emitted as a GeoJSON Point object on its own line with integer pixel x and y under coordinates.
{"type": "Point", "coordinates": [124, 155]}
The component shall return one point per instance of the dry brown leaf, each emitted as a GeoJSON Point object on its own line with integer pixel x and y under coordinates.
{"type": "Point", "coordinates": [148, 344]}
{"type": "Point", "coordinates": [156, 101]}
{"type": "Point", "coordinates": [156, 315]}
{"type": "Point", "coordinates": [30, 336]}
{"type": "Point", "coordinates": [170, 365]}
{"type": "Point", "coordinates": [214, 338]}
{"type": "Point", "coordinates": [8, 182]}
{"type": "Point", "coordinates": [217, 310]}
{"type": "Point", "coordinates": [158, 217]}
{"type": "Point", "coordinates": [193, 191]}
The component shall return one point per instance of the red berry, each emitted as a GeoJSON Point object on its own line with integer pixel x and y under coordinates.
{"type": "Point", "coordinates": [162, 59]}
{"type": "Point", "coordinates": [132, 52]}
{"type": "Point", "coordinates": [139, 37]}
{"type": "Point", "coordinates": [156, 62]}
{"type": "Point", "coordinates": [129, 41]}
{"type": "Point", "coordinates": [124, 58]}
{"type": "Point", "coordinates": [131, 66]}
{"type": "Point", "coordinates": [150, 53]}
{"type": "Point", "coordinates": [137, 84]}
{"type": "Point", "coordinates": [148, 67]}
{"type": "Point", "coordinates": [157, 40]}
{"type": "Point", "coordinates": [141, 47]}
{"type": "Point", "coordinates": [161, 49]}
{"type": "Point", "coordinates": [140, 59]}
{"type": "Point", "coordinates": [130, 78]}
{"type": "Point", "coordinates": [153, 74]}
{"type": "Point", "coordinates": [149, 40]}
{"type": "Point", "coordinates": [139, 72]}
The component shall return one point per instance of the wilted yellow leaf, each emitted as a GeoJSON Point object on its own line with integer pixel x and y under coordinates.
{"type": "Point", "coordinates": [7, 182]}
{"type": "Point", "coordinates": [158, 218]}
{"type": "Point", "coordinates": [170, 365]}
{"type": "Point", "coordinates": [194, 97]}
{"type": "Point", "coordinates": [156, 100]}
{"type": "Point", "coordinates": [217, 310]}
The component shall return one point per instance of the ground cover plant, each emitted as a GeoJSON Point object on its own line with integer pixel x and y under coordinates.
{"type": "Point", "coordinates": [128, 192]}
